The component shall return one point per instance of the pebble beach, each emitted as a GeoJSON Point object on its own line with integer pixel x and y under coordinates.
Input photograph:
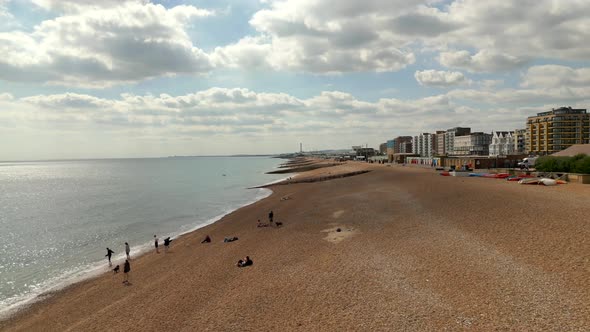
{"type": "Point", "coordinates": [392, 249]}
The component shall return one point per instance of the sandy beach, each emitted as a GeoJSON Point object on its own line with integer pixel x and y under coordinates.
{"type": "Point", "coordinates": [416, 252]}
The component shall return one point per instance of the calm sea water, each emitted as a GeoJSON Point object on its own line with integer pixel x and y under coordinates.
{"type": "Point", "coordinates": [57, 218]}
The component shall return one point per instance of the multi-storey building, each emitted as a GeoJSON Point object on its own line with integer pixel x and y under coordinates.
{"type": "Point", "coordinates": [390, 147]}
{"type": "Point", "coordinates": [450, 138]}
{"type": "Point", "coordinates": [558, 129]}
{"type": "Point", "coordinates": [439, 143]}
{"type": "Point", "coordinates": [383, 148]}
{"type": "Point", "coordinates": [519, 138]}
{"type": "Point", "coordinates": [502, 143]}
{"type": "Point", "coordinates": [403, 144]}
{"type": "Point", "coordinates": [424, 145]}
{"type": "Point", "coordinates": [474, 144]}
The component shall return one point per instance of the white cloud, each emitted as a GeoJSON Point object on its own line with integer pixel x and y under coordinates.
{"type": "Point", "coordinates": [102, 47]}
{"type": "Point", "coordinates": [523, 28]}
{"type": "Point", "coordinates": [338, 36]}
{"type": "Point", "coordinates": [325, 37]}
{"type": "Point", "coordinates": [554, 76]}
{"type": "Point", "coordinates": [483, 61]}
{"type": "Point", "coordinates": [272, 120]}
{"type": "Point", "coordinates": [439, 78]}
{"type": "Point", "coordinates": [237, 110]}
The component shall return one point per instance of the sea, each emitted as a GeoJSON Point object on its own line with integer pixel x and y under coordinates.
{"type": "Point", "coordinates": [58, 217]}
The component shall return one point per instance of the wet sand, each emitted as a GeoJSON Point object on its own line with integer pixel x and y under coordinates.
{"type": "Point", "coordinates": [416, 251]}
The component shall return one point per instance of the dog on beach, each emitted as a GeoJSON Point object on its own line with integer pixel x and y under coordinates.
{"type": "Point", "coordinates": [278, 223]}
{"type": "Point", "coordinates": [116, 269]}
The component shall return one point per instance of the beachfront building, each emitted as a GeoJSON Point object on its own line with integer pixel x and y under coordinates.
{"type": "Point", "coordinates": [450, 138]}
{"type": "Point", "coordinates": [383, 148]}
{"type": "Point", "coordinates": [403, 144]}
{"type": "Point", "coordinates": [519, 138]}
{"type": "Point", "coordinates": [558, 129]}
{"type": "Point", "coordinates": [439, 143]}
{"type": "Point", "coordinates": [363, 153]}
{"type": "Point", "coordinates": [474, 144]}
{"type": "Point", "coordinates": [424, 145]}
{"type": "Point", "coordinates": [390, 149]}
{"type": "Point", "coordinates": [502, 143]}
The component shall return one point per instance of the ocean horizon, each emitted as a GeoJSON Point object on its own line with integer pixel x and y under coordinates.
{"type": "Point", "coordinates": [58, 217]}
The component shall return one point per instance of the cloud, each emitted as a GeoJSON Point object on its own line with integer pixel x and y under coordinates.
{"type": "Point", "coordinates": [523, 28]}
{"type": "Point", "coordinates": [340, 36]}
{"type": "Point", "coordinates": [325, 37]}
{"type": "Point", "coordinates": [239, 110]}
{"type": "Point", "coordinates": [439, 78]}
{"type": "Point", "coordinates": [554, 76]}
{"type": "Point", "coordinates": [104, 47]}
{"type": "Point", "coordinates": [482, 61]}
{"type": "Point", "coordinates": [230, 117]}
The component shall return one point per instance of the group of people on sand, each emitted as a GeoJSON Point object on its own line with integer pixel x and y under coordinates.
{"type": "Point", "coordinates": [167, 242]}
{"type": "Point", "coordinates": [247, 261]}
{"type": "Point", "coordinates": [270, 221]}
{"type": "Point", "coordinates": [126, 266]}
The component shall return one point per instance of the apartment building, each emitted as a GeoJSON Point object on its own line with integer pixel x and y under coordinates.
{"type": "Point", "coordinates": [474, 144]}
{"type": "Point", "coordinates": [403, 144]}
{"type": "Point", "coordinates": [558, 129]}
{"type": "Point", "coordinates": [450, 138]}
{"type": "Point", "coordinates": [424, 145]}
{"type": "Point", "coordinates": [520, 139]}
{"type": "Point", "coordinates": [439, 143]}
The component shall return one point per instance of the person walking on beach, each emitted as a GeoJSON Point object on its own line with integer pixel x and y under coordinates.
{"type": "Point", "coordinates": [270, 216]}
{"type": "Point", "coordinates": [126, 270]}
{"type": "Point", "coordinates": [108, 255]}
{"type": "Point", "coordinates": [127, 250]}
{"type": "Point", "coordinates": [156, 244]}
{"type": "Point", "coordinates": [167, 244]}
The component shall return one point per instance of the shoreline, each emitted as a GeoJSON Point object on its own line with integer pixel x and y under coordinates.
{"type": "Point", "coordinates": [62, 283]}
{"type": "Point", "coordinates": [402, 260]}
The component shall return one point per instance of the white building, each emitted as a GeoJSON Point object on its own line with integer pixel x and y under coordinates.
{"type": "Point", "coordinates": [474, 144]}
{"type": "Point", "coordinates": [502, 143]}
{"type": "Point", "coordinates": [424, 145]}
{"type": "Point", "coordinates": [449, 138]}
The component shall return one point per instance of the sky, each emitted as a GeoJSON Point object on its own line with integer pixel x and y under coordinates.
{"type": "Point", "coordinates": [140, 78]}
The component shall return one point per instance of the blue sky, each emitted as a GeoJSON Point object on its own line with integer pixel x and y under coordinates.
{"type": "Point", "coordinates": [136, 78]}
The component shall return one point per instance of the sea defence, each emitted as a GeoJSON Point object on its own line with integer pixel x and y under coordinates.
{"type": "Point", "coordinates": [395, 248]}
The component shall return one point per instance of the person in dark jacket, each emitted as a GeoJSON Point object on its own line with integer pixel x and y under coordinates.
{"type": "Point", "coordinates": [108, 255]}
{"type": "Point", "coordinates": [126, 270]}
{"type": "Point", "coordinates": [167, 243]}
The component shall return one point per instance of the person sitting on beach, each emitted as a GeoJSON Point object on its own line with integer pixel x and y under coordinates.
{"type": "Point", "coordinates": [230, 239]}
{"type": "Point", "coordinates": [206, 240]}
{"type": "Point", "coordinates": [245, 262]}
